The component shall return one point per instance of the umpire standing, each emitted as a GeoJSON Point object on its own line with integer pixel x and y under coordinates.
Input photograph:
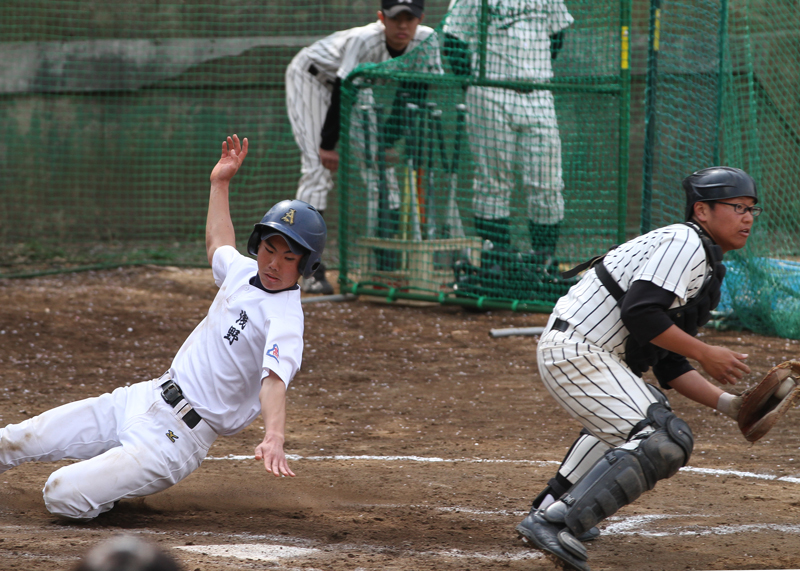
{"type": "Point", "coordinates": [638, 307]}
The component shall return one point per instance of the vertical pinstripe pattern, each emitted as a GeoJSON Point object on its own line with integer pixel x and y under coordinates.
{"type": "Point", "coordinates": [514, 134]}
{"type": "Point", "coordinates": [584, 367]}
{"type": "Point", "coordinates": [672, 258]}
{"type": "Point", "coordinates": [594, 386]}
{"type": "Point", "coordinates": [586, 450]}
{"type": "Point", "coordinates": [308, 96]}
{"type": "Point", "coordinates": [307, 102]}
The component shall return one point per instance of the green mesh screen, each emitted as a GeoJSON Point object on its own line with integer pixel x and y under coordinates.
{"type": "Point", "coordinates": [486, 160]}
{"type": "Point", "coordinates": [721, 89]}
{"type": "Point", "coordinates": [112, 113]}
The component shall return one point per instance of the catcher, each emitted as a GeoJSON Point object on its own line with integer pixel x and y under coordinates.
{"type": "Point", "coordinates": [637, 307]}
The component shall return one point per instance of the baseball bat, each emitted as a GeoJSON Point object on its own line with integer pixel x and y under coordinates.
{"type": "Point", "coordinates": [384, 224]}
{"type": "Point", "coordinates": [366, 126]}
{"type": "Point", "coordinates": [430, 186]}
{"type": "Point", "coordinates": [412, 198]}
{"type": "Point", "coordinates": [454, 226]}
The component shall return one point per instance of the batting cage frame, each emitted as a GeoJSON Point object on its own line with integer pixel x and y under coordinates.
{"type": "Point", "coordinates": [427, 247]}
{"type": "Point", "coordinates": [111, 114]}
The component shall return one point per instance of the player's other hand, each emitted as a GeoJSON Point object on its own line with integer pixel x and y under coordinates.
{"type": "Point", "coordinates": [724, 365]}
{"type": "Point", "coordinates": [270, 450]}
{"type": "Point", "coordinates": [233, 154]}
{"type": "Point", "coordinates": [330, 159]}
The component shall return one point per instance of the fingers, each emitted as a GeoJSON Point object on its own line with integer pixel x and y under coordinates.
{"type": "Point", "coordinates": [233, 147]}
{"type": "Point", "coordinates": [274, 463]}
{"type": "Point", "coordinates": [278, 467]}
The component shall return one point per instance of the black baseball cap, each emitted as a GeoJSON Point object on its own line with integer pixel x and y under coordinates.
{"type": "Point", "coordinates": [392, 8]}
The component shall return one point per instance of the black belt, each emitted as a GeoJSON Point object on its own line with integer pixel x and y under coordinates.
{"type": "Point", "coordinates": [172, 395]}
{"type": "Point", "coordinates": [560, 325]}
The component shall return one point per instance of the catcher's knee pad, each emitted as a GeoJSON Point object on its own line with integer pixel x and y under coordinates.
{"type": "Point", "coordinates": [662, 452]}
{"type": "Point", "coordinates": [624, 474]}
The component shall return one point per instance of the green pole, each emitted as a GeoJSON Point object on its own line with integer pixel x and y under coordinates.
{"type": "Point", "coordinates": [343, 178]}
{"type": "Point", "coordinates": [624, 118]}
{"type": "Point", "coordinates": [723, 32]}
{"type": "Point", "coordinates": [650, 98]}
{"type": "Point", "coordinates": [483, 34]}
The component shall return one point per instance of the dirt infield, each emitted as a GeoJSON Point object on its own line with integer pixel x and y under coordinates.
{"type": "Point", "coordinates": [418, 442]}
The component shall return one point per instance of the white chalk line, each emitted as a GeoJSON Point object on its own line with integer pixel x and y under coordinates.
{"type": "Point", "coordinates": [275, 548]}
{"type": "Point", "coordinates": [289, 548]}
{"type": "Point", "coordinates": [434, 460]}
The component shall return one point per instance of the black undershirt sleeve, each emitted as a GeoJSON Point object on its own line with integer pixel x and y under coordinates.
{"type": "Point", "coordinates": [644, 315]}
{"type": "Point", "coordinates": [644, 310]}
{"type": "Point", "coordinates": [670, 368]}
{"type": "Point", "coordinates": [330, 129]}
{"type": "Point", "coordinates": [333, 118]}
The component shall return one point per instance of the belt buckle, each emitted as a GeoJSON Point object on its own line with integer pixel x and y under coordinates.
{"type": "Point", "coordinates": [171, 393]}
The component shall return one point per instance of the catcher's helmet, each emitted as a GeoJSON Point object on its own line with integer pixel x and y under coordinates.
{"type": "Point", "coordinates": [301, 224]}
{"type": "Point", "coordinates": [717, 183]}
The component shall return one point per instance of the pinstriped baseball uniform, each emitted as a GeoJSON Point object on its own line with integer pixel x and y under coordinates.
{"type": "Point", "coordinates": [583, 367]}
{"type": "Point", "coordinates": [309, 82]}
{"type": "Point", "coordinates": [513, 132]}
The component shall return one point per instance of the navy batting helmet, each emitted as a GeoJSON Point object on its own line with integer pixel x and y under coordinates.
{"type": "Point", "coordinates": [301, 224]}
{"type": "Point", "coordinates": [717, 183]}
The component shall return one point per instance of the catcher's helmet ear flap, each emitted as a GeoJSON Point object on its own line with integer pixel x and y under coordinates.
{"type": "Point", "coordinates": [717, 183]}
{"type": "Point", "coordinates": [298, 222]}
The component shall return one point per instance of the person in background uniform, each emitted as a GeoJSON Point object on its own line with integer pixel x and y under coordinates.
{"type": "Point", "coordinates": [313, 93]}
{"type": "Point", "coordinates": [638, 307]}
{"type": "Point", "coordinates": [236, 365]}
{"type": "Point", "coordinates": [513, 134]}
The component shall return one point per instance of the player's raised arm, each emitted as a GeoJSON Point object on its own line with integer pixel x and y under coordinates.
{"type": "Point", "coordinates": [219, 227]}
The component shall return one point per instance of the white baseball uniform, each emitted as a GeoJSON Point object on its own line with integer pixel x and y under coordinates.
{"type": "Point", "coordinates": [513, 133]}
{"type": "Point", "coordinates": [131, 442]}
{"type": "Point", "coordinates": [309, 82]}
{"type": "Point", "coordinates": [583, 367]}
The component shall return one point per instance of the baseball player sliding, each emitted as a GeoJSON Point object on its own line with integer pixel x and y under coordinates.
{"type": "Point", "coordinates": [313, 93]}
{"type": "Point", "coordinates": [638, 307]}
{"type": "Point", "coordinates": [513, 133]}
{"type": "Point", "coordinates": [235, 365]}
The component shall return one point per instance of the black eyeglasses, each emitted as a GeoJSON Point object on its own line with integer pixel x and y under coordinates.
{"type": "Point", "coordinates": [741, 208]}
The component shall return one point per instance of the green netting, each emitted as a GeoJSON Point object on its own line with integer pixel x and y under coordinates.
{"type": "Point", "coordinates": [722, 89]}
{"type": "Point", "coordinates": [490, 157]}
{"type": "Point", "coordinates": [111, 116]}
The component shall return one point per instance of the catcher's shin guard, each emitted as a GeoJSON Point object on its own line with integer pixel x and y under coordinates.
{"type": "Point", "coordinates": [623, 474]}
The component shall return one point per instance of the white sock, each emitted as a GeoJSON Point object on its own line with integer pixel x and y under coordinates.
{"type": "Point", "coordinates": [548, 499]}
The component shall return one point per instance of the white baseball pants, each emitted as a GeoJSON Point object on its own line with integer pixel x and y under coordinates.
{"type": "Point", "coordinates": [130, 441]}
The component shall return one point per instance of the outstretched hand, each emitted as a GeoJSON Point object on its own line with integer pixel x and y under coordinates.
{"type": "Point", "coordinates": [724, 365]}
{"type": "Point", "coordinates": [233, 154]}
{"type": "Point", "coordinates": [271, 452]}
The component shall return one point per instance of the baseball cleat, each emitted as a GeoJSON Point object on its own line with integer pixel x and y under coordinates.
{"type": "Point", "coordinates": [555, 540]}
{"type": "Point", "coordinates": [314, 285]}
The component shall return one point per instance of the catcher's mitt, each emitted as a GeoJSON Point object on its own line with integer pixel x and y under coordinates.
{"type": "Point", "coordinates": [766, 402]}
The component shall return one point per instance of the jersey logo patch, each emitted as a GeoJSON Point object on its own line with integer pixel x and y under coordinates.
{"type": "Point", "coordinates": [289, 216]}
{"type": "Point", "coordinates": [172, 436]}
{"type": "Point", "coordinates": [274, 353]}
